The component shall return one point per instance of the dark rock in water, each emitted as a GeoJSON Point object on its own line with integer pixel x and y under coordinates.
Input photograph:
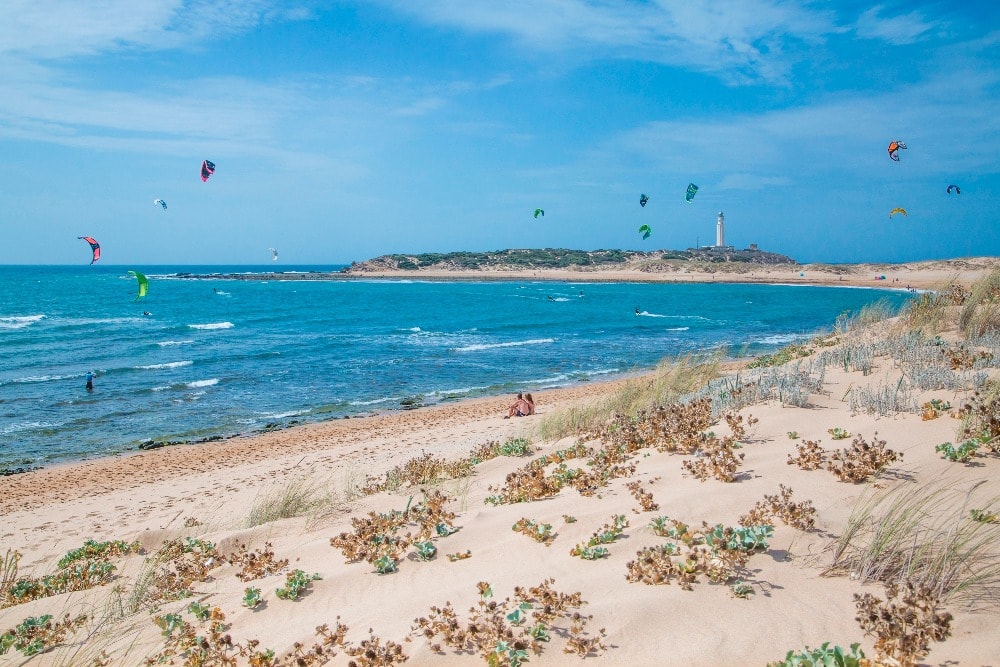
{"type": "Point", "coordinates": [272, 426]}
{"type": "Point", "coordinates": [150, 444]}
{"type": "Point", "coordinates": [7, 472]}
{"type": "Point", "coordinates": [411, 403]}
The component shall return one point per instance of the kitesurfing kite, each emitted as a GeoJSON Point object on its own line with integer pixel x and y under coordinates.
{"type": "Point", "coordinates": [642, 200]}
{"type": "Point", "coordinates": [955, 187]}
{"type": "Point", "coordinates": [691, 192]}
{"type": "Point", "coordinates": [645, 230]}
{"type": "Point", "coordinates": [161, 203]}
{"type": "Point", "coordinates": [94, 245]}
{"type": "Point", "coordinates": [274, 254]}
{"type": "Point", "coordinates": [143, 285]}
{"type": "Point", "coordinates": [539, 212]}
{"type": "Point", "coordinates": [207, 169]}
{"type": "Point", "coordinates": [898, 210]}
{"type": "Point", "coordinates": [894, 147]}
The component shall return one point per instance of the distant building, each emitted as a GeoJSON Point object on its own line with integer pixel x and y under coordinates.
{"type": "Point", "coordinates": [720, 231]}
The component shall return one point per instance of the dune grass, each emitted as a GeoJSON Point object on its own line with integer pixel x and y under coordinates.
{"type": "Point", "coordinates": [672, 379]}
{"type": "Point", "coordinates": [301, 496]}
{"type": "Point", "coordinates": [980, 313]}
{"type": "Point", "coordinates": [923, 534]}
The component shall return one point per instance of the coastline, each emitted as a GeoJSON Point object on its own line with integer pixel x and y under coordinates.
{"type": "Point", "coordinates": [925, 275]}
{"type": "Point", "coordinates": [208, 490]}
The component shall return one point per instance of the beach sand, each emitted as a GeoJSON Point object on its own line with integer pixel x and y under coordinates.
{"type": "Point", "coordinates": [208, 491]}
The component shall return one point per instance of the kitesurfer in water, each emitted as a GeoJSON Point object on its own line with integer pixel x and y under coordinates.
{"type": "Point", "coordinates": [90, 380]}
{"type": "Point", "coordinates": [637, 310]}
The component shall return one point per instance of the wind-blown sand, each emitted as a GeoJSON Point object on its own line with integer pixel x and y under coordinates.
{"type": "Point", "coordinates": [150, 496]}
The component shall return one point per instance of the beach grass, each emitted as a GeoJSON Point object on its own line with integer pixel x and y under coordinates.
{"type": "Point", "coordinates": [300, 496]}
{"type": "Point", "coordinates": [672, 379]}
{"type": "Point", "coordinates": [923, 534]}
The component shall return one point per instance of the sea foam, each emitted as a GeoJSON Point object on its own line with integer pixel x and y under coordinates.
{"type": "Point", "coordinates": [489, 346]}
{"type": "Point", "coordinates": [213, 325]}
{"type": "Point", "coordinates": [19, 321]}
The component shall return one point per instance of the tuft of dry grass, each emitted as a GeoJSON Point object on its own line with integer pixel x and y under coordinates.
{"type": "Point", "coordinates": [980, 313]}
{"type": "Point", "coordinates": [923, 535]}
{"type": "Point", "coordinates": [672, 379]}
{"type": "Point", "coordinates": [299, 497]}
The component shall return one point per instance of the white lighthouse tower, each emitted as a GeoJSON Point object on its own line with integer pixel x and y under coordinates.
{"type": "Point", "coordinates": [720, 231]}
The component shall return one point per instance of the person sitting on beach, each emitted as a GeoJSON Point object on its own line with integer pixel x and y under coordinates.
{"type": "Point", "coordinates": [519, 408]}
{"type": "Point", "coordinates": [531, 403]}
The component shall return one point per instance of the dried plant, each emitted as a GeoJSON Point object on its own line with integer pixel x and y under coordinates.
{"type": "Point", "coordinates": [503, 632]}
{"type": "Point", "coordinates": [421, 470]}
{"type": "Point", "coordinates": [798, 515]}
{"type": "Point", "coordinates": [718, 459]}
{"type": "Point", "coordinates": [298, 497]}
{"type": "Point", "coordinates": [319, 653]}
{"type": "Point", "coordinates": [372, 653]}
{"type": "Point", "coordinates": [861, 461]}
{"type": "Point", "coordinates": [540, 532]}
{"type": "Point", "coordinates": [810, 457]}
{"type": "Point", "coordinates": [460, 555]}
{"type": "Point", "coordinates": [643, 497]}
{"type": "Point", "coordinates": [256, 564]}
{"type": "Point", "coordinates": [904, 624]}
{"type": "Point", "coordinates": [981, 417]}
{"type": "Point", "coordinates": [207, 646]}
{"type": "Point", "coordinates": [173, 570]}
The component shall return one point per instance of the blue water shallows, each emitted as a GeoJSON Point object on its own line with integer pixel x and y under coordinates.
{"type": "Point", "coordinates": [217, 357]}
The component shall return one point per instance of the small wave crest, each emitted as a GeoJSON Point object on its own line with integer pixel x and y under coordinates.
{"type": "Point", "coordinates": [781, 339]}
{"type": "Point", "coordinates": [517, 343]}
{"type": "Point", "coordinates": [213, 325]}
{"type": "Point", "coordinates": [202, 383]}
{"type": "Point", "coordinates": [19, 321]}
{"type": "Point", "coordinates": [170, 364]}
{"type": "Point", "coordinates": [171, 343]}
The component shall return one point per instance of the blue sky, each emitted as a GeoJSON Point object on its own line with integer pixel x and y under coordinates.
{"type": "Point", "coordinates": [344, 130]}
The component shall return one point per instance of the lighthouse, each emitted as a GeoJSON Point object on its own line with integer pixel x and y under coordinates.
{"type": "Point", "coordinates": [720, 231]}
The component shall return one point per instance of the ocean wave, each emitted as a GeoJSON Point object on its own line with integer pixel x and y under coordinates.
{"type": "Point", "coordinates": [489, 346]}
{"type": "Point", "coordinates": [376, 401]}
{"type": "Point", "coordinates": [18, 321]}
{"type": "Point", "coordinates": [781, 339]}
{"type": "Point", "coordinates": [213, 325]}
{"type": "Point", "coordinates": [678, 329]}
{"type": "Point", "coordinates": [447, 392]}
{"type": "Point", "coordinates": [202, 383]}
{"type": "Point", "coordinates": [44, 378]}
{"type": "Point", "coordinates": [170, 343]}
{"type": "Point", "coordinates": [169, 364]}
{"type": "Point", "coordinates": [28, 426]}
{"type": "Point", "coordinates": [283, 415]}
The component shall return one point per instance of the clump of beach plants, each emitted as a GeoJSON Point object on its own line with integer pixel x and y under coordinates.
{"type": "Point", "coordinates": [810, 455]}
{"type": "Point", "coordinates": [378, 539]}
{"type": "Point", "coordinates": [93, 549]}
{"type": "Point", "coordinates": [418, 471]}
{"type": "Point", "coordinates": [838, 433]}
{"type": "Point", "coordinates": [256, 564]}
{"type": "Point", "coordinates": [540, 532]}
{"type": "Point", "coordinates": [719, 459]}
{"type": "Point", "coordinates": [643, 497]}
{"type": "Point", "coordinates": [933, 409]}
{"type": "Point", "coordinates": [862, 460]}
{"type": "Point", "coordinates": [372, 652]}
{"type": "Point", "coordinates": [606, 534]}
{"type": "Point", "coordinates": [252, 598]}
{"type": "Point", "coordinates": [460, 555]}
{"type": "Point", "coordinates": [37, 634]}
{"type": "Point", "coordinates": [296, 582]}
{"type": "Point", "coordinates": [174, 568]}
{"type": "Point", "coordinates": [826, 656]}
{"type": "Point", "coordinates": [961, 454]}
{"type": "Point", "coordinates": [204, 642]}
{"type": "Point", "coordinates": [715, 552]}
{"type": "Point", "coordinates": [798, 515]}
{"type": "Point", "coordinates": [505, 632]}
{"type": "Point", "coordinates": [782, 356]}
{"type": "Point", "coordinates": [984, 516]}
{"type": "Point", "coordinates": [904, 624]}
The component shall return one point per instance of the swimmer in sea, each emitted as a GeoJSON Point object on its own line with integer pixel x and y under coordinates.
{"type": "Point", "coordinates": [146, 312]}
{"type": "Point", "coordinates": [637, 310]}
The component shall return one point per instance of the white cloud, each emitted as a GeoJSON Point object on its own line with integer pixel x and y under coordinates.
{"type": "Point", "coordinates": [901, 29]}
{"type": "Point", "coordinates": [737, 40]}
{"type": "Point", "coordinates": [43, 30]}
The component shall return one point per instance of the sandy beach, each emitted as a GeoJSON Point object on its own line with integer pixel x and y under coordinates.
{"type": "Point", "coordinates": [213, 492]}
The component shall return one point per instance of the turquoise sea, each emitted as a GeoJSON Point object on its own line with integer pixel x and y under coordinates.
{"type": "Point", "coordinates": [217, 357]}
